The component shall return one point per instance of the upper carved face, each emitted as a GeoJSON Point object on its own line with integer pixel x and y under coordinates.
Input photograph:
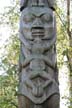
{"type": "Point", "coordinates": [38, 23]}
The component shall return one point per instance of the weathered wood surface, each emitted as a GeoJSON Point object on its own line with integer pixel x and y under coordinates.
{"type": "Point", "coordinates": [38, 73]}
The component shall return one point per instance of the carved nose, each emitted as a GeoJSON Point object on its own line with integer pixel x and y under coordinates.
{"type": "Point", "coordinates": [37, 23]}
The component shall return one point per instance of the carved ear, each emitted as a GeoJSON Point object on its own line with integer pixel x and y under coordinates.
{"type": "Point", "coordinates": [23, 4]}
{"type": "Point", "coordinates": [51, 4]}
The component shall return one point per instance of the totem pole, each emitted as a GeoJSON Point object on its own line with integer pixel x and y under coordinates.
{"type": "Point", "coordinates": [38, 73]}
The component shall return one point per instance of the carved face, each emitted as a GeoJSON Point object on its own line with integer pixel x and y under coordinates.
{"type": "Point", "coordinates": [38, 23]}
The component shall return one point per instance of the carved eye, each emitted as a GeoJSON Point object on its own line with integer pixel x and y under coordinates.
{"type": "Point", "coordinates": [47, 18]}
{"type": "Point", "coordinates": [28, 18]}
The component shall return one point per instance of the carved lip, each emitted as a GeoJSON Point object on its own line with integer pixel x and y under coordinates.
{"type": "Point", "coordinates": [38, 32]}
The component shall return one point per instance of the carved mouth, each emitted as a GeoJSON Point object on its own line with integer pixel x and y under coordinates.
{"type": "Point", "coordinates": [38, 32]}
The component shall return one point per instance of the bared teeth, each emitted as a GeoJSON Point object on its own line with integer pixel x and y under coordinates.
{"type": "Point", "coordinates": [38, 32]}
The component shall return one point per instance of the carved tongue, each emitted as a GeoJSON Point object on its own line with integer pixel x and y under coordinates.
{"type": "Point", "coordinates": [37, 91]}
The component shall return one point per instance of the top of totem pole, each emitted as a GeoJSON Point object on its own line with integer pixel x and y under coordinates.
{"type": "Point", "coordinates": [48, 3]}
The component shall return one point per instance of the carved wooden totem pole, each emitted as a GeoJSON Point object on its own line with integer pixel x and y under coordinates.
{"type": "Point", "coordinates": [38, 74]}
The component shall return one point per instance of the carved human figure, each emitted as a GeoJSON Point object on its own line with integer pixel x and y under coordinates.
{"type": "Point", "coordinates": [38, 87]}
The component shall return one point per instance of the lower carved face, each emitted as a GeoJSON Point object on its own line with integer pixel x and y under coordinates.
{"type": "Point", "coordinates": [38, 23]}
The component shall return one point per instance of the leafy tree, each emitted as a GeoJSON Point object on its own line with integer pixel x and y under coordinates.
{"type": "Point", "coordinates": [9, 59]}
{"type": "Point", "coordinates": [66, 35]}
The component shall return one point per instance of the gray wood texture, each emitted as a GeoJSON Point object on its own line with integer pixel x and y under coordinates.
{"type": "Point", "coordinates": [38, 73]}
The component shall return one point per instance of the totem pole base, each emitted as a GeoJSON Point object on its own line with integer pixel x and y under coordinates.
{"type": "Point", "coordinates": [52, 102]}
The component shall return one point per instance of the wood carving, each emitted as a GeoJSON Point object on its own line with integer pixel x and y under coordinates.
{"type": "Point", "coordinates": [38, 73]}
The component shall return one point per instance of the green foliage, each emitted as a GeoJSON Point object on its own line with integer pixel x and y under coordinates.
{"type": "Point", "coordinates": [9, 82]}
{"type": "Point", "coordinates": [8, 93]}
{"type": "Point", "coordinates": [62, 41]}
{"type": "Point", "coordinates": [9, 59]}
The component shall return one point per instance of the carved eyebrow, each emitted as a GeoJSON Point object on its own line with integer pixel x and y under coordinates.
{"type": "Point", "coordinates": [39, 15]}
